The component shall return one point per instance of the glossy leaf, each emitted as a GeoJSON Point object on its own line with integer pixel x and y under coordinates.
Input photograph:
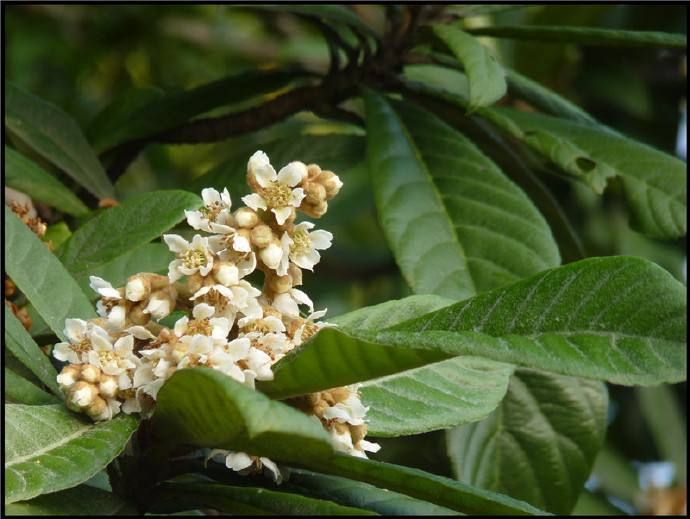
{"type": "Point", "coordinates": [245, 500]}
{"type": "Point", "coordinates": [47, 448]}
{"type": "Point", "coordinates": [170, 110]}
{"type": "Point", "coordinates": [80, 500]}
{"type": "Point", "coordinates": [28, 177]}
{"type": "Point", "coordinates": [486, 76]}
{"type": "Point", "coordinates": [361, 495]}
{"type": "Point", "coordinates": [539, 445]}
{"type": "Point", "coordinates": [23, 347]}
{"type": "Point", "coordinates": [56, 137]}
{"type": "Point", "coordinates": [117, 230]}
{"type": "Point", "coordinates": [20, 391]}
{"type": "Point", "coordinates": [588, 36]}
{"type": "Point", "coordinates": [205, 408]}
{"type": "Point", "coordinates": [41, 277]}
{"type": "Point", "coordinates": [455, 223]}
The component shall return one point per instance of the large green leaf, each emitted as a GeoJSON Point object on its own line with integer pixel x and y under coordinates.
{"type": "Point", "coordinates": [455, 223]}
{"type": "Point", "coordinates": [435, 396]}
{"type": "Point", "coordinates": [620, 319]}
{"type": "Point", "coordinates": [593, 36]}
{"type": "Point", "coordinates": [41, 277]}
{"type": "Point", "coordinates": [167, 111]}
{"type": "Point", "coordinates": [20, 391]}
{"type": "Point", "coordinates": [486, 77]}
{"type": "Point", "coordinates": [245, 500]}
{"type": "Point", "coordinates": [134, 222]}
{"type": "Point", "coordinates": [47, 448]}
{"type": "Point", "coordinates": [361, 495]}
{"type": "Point", "coordinates": [56, 137]}
{"type": "Point", "coordinates": [80, 500]}
{"type": "Point", "coordinates": [22, 346]}
{"type": "Point", "coordinates": [25, 175]}
{"type": "Point", "coordinates": [539, 445]}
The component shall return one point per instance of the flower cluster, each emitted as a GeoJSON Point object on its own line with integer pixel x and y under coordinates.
{"type": "Point", "coordinates": [119, 361]}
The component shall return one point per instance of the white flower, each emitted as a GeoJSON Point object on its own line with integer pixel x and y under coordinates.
{"type": "Point", "coordinates": [287, 302]}
{"type": "Point", "coordinates": [234, 249]}
{"type": "Point", "coordinates": [79, 336]}
{"type": "Point", "coordinates": [217, 328]}
{"type": "Point", "coordinates": [277, 190]}
{"type": "Point", "coordinates": [103, 288]}
{"type": "Point", "coordinates": [214, 216]}
{"type": "Point", "coordinates": [259, 367]}
{"type": "Point", "coordinates": [225, 359]}
{"type": "Point", "coordinates": [114, 359]}
{"type": "Point", "coordinates": [229, 301]}
{"type": "Point", "coordinates": [343, 442]}
{"type": "Point", "coordinates": [112, 408]}
{"type": "Point", "coordinates": [301, 247]}
{"type": "Point", "coordinates": [116, 314]}
{"type": "Point", "coordinates": [191, 257]}
{"type": "Point", "coordinates": [350, 411]}
{"type": "Point", "coordinates": [310, 327]}
{"type": "Point", "coordinates": [245, 463]}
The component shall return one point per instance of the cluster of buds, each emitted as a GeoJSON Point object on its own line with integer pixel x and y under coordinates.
{"type": "Point", "coordinates": [22, 205]}
{"type": "Point", "coordinates": [119, 361]}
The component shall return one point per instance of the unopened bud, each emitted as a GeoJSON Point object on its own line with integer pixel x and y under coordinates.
{"type": "Point", "coordinates": [271, 255]}
{"type": "Point", "coordinates": [246, 217]}
{"type": "Point", "coordinates": [281, 284]}
{"type": "Point", "coordinates": [159, 305]}
{"type": "Point", "coordinates": [295, 274]}
{"type": "Point", "coordinates": [98, 410]}
{"type": "Point", "coordinates": [340, 394]}
{"type": "Point", "coordinates": [320, 408]}
{"type": "Point", "coordinates": [262, 236]}
{"type": "Point", "coordinates": [108, 386]}
{"type": "Point", "coordinates": [226, 273]}
{"type": "Point", "coordinates": [331, 182]}
{"type": "Point", "coordinates": [341, 428]}
{"type": "Point", "coordinates": [358, 432]}
{"type": "Point", "coordinates": [314, 192]}
{"type": "Point", "coordinates": [81, 395]}
{"type": "Point", "coordinates": [195, 282]}
{"type": "Point", "coordinates": [138, 316]}
{"type": "Point", "coordinates": [138, 288]}
{"type": "Point", "coordinates": [313, 171]}
{"type": "Point", "coordinates": [90, 373]}
{"type": "Point", "coordinates": [68, 376]}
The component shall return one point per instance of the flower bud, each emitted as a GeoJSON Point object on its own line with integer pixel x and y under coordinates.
{"type": "Point", "coordinates": [262, 236]}
{"type": "Point", "coordinates": [320, 408]}
{"type": "Point", "coordinates": [68, 376]}
{"type": "Point", "coordinates": [331, 182]}
{"type": "Point", "coordinates": [280, 284]}
{"type": "Point", "coordinates": [98, 410]}
{"type": "Point", "coordinates": [341, 428]}
{"type": "Point", "coordinates": [195, 282]}
{"type": "Point", "coordinates": [313, 171]}
{"type": "Point", "coordinates": [90, 373]}
{"type": "Point", "coordinates": [226, 273]}
{"type": "Point", "coordinates": [81, 394]}
{"type": "Point", "coordinates": [108, 386]}
{"type": "Point", "coordinates": [137, 288]}
{"type": "Point", "coordinates": [314, 192]}
{"type": "Point", "coordinates": [159, 305]}
{"type": "Point", "coordinates": [271, 255]}
{"type": "Point", "coordinates": [340, 394]}
{"type": "Point", "coordinates": [358, 432]}
{"type": "Point", "coordinates": [295, 274]}
{"type": "Point", "coordinates": [246, 217]}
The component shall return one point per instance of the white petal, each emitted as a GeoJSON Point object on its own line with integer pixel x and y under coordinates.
{"type": "Point", "coordinates": [306, 261]}
{"type": "Point", "coordinates": [225, 197]}
{"type": "Point", "coordinates": [174, 272]}
{"type": "Point", "coordinates": [238, 461]}
{"type": "Point", "coordinates": [75, 329]}
{"type": "Point", "coordinates": [176, 243]}
{"type": "Point", "coordinates": [239, 348]}
{"type": "Point", "coordinates": [304, 226]}
{"type": "Point", "coordinates": [369, 446]}
{"type": "Point", "coordinates": [202, 311]}
{"type": "Point", "coordinates": [117, 317]}
{"type": "Point", "coordinates": [318, 314]}
{"type": "Point", "coordinates": [320, 239]}
{"type": "Point", "coordinates": [124, 345]}
{"type": "Point", "coordinates": [220, 327]}
{"type": "Point", "coordinates": [273, 469]}
{"type": "Point", "coordinates": [282, 214]}
{"type": "Point", "coordinates": [285, 304]}
{"type": "Point", "coordinates": [302, 298]}
{"type": "Point", "coordinates": [255, 201]}
{"type": "Point", "coordinates": [201, 292]}
{"type": "Point", "coordinates": [297, 197]}
{"type": "Point", "coordinates": [158, 308]}
{"type": "Point", "coordinates": [103, 288]}
{"type": "Point", "coordinates": [210, 195]}
{"type": "Point", "coordinates": [264, 175]}
{"type": "Point", "coordinates": [196, 220]}
{"type": "Point", "coordinates": [63, 352]}
{"type": "Point", "coordinates": [337, 412]}
{"type": "Point", "coordinates": [271, 255]}
{"type": "Point", "coordinates": [274, 324]}
{"type": "Point", "coordinates": [241, 244]}
{"type": "Point", "coordinates": [228, 275]}
{"type": "Point", "coordinates": [219, 228]}
{"type": "Point", "coordinates": [135, 290]}
{"type": "Point", "coordinates": [292, 174]}
{"type": "Point", "coordinates": [181, 326]}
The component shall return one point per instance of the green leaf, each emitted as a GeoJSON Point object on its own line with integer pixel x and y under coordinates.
{"type": "Point", "coordinates": [47, 448]}
{"type": "Point", "coordinates": [57, 234]}
{"type": "Point", "coordinates": [173, 109]}
{"type": "Point", "coordinates": [23, 347]}
{"type": "Point", "coordinates": [245, 500]}
{"type": "Point", "coordinates": [28, 177]}
{"type": "Point", "coordinates": [80, 500]}
{"type": "Point", "coordinates": [486, 77]}
{"type": "Point", "coordinates": [539, 445]}
{"type": "Point", "coordinates": [455, 223]}
{"type": "Point", "coordinates": [206, 408]}
{"type": "Point", "coordinates": [620, 319]}
{"type": "Point", "coordinates": [56, 137]}
{"type": "Point", "coordinates": [21, 391]}
{"type": "Point", "coordinates": [588, 36]}
{"type": "Point", "coordinates": [334, 14]}
{"type": "Point", "coordinates": [422, 485]}
{"type": "Point", "coordinates": [41, 277]}
{"type": "Point", "coordinates": [435, 396]}
{"type": "Point", "coordinates": [117, 230]}
{"type": "Point", "coordinates": [361, 495]}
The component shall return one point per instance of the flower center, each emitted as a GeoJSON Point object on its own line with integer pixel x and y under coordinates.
{"type": "Point", "coordinates": [193, 258]}
{"type": "Point", "coordinates": [106, 356]}
{"type": "Point", "coordinates": [300, 242]}
{"type": "Point", "coordinates": [215, 299]}
{"type": "Point", "coordinates": [309, 331]}
{"type": "Point", "coordinates": [199, 327]}
{"type": "Point", "coordinates": [82, 346]}
{"type": "Point", "coordinates": [211, 211]}
{"type": "Point", "coordinates": [126, 394]}
{"type": "Point", "coordinates": [277, 195]}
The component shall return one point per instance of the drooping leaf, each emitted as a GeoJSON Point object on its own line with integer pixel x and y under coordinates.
{"type": "Point", "coordinates": [539, 445]}
{"type": "Point", "coordinates": [23, 347]}
{"type": "Point", "coordinates": [47, 448]}
{"type": "Point", "coordinates": [588, 36]}
{"type": "Point", "coordinates": [20, 391]}
{"type": "Point", "coordinates": [361, 495]}
{"type": "Point", "coordinates": [80, 500]}
{"type": "Point", "coordinates": [234, 500]}
{"type": "Point", "coordinates": [435, 396]}
{"type": "Point", "coordinates": [56, 137]}
{"type": "Point", "coordinates": [206, 408]}
{"type": "Point", "coordinates": [171, 110]}
{"type": "Point", "coordinates": [486, 77]}
{"type": "Point", "coordinates": [117, 230]}
{"type": "Point", "coordinates": [26, 176]}
{"type": "Point", "coordinates": [455, 223]}
{"type": "Point", "coordinates": [620, 319]}
{"type": "Point", "coordinates": [41, 277]}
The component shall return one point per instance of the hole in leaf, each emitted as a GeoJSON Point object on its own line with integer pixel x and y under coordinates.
{"type": "Point", "coordinates": [585, 164]}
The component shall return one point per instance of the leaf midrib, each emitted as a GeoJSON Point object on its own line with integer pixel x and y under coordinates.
{"type": "Point", "coordinates": [76, 434]}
